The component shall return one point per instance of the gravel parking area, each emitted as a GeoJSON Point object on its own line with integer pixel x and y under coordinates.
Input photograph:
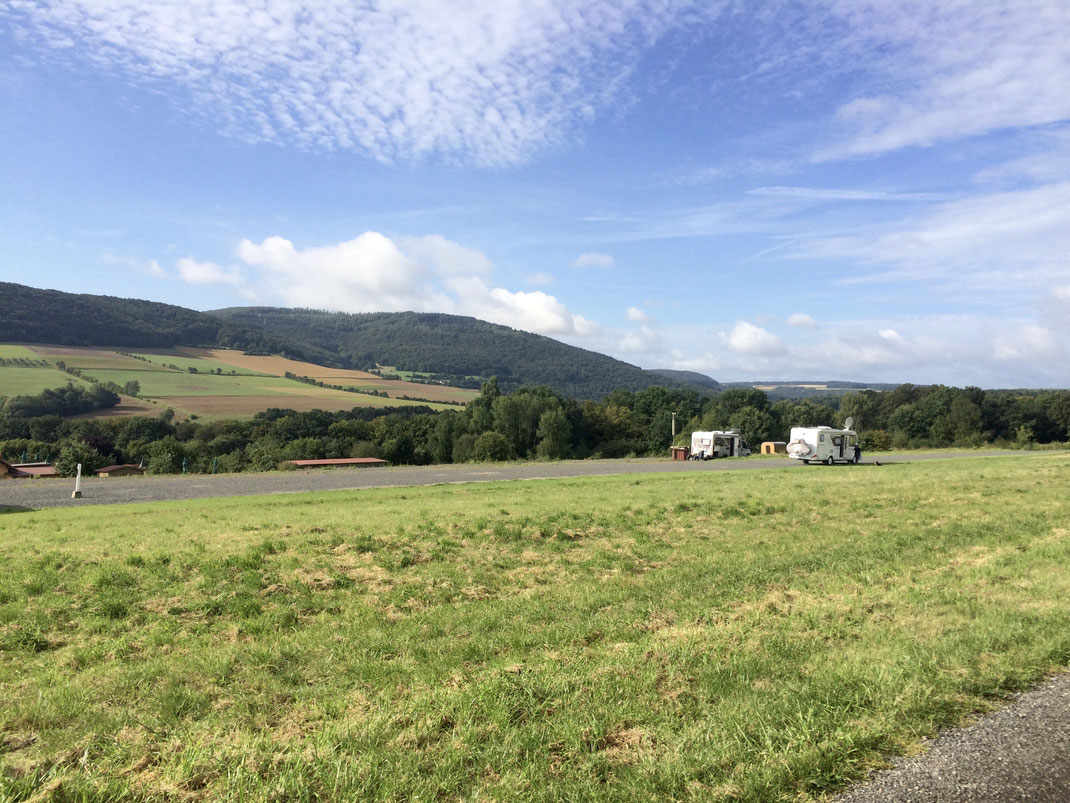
{"type": "Point", "coordinates": [1019, 753]}
{"type": "Point", "coordinates": [32, 494]}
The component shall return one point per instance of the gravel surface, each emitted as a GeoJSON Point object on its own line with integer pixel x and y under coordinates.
{"type": "Point", "coordinates": [28, 494]}
{"type": "Point", "coordinates": [1019, 753]}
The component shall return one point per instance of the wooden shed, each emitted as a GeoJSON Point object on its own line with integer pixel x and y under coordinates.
{"type": "Point", "coordinates": [34, 470]}
{"type": "Point", "coordinates": [338, 462]}
{"type": "Point", "coordinates": [774, 447]}
{"type": "Point", "coordinates": [6, 471]}
{"type": "Point", "coordinates": [124, 470]}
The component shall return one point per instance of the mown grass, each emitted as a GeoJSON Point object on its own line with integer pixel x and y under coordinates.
{"type": "Point", "coordinates": [759, 635]}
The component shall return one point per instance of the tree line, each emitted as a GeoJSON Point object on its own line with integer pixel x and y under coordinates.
{"type": "Point", "coordinates": [529, 423]}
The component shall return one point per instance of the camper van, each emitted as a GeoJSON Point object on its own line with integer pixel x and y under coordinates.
{"type": "Point", "coordinates": [824, 445]}
{"type": "Point", "coordinates": [708, 445]}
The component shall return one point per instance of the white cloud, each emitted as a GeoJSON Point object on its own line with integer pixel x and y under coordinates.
{"type": "Point", "coordinates": [367, 274]}
{"type": "Point", "coordinates": [194, 272]}
{"type": "Point", "coordinates": [640, 341]}
{"type": "Point", "coordinates": [828, 194]}
{"type": "Point", "coordinates": [637, 315]}
{"type": "Point", "coordinates": [539, 279]}
{"type": "Point", "coordinates": [1028, 343]}
{"type": "Point", "coordinates": [485, 81]}
{"type": "Point", "coordinates": [951, 69]}
{"type": "Point", "coordinates": [445, 257]}
{"type": "Point", "coordinates": [533, 312]}
{"type": "Point", "coordinates": [746, 338]}
{"type": "Point", "coordinates": [592, 260]}
{"type": "Point", "coordinates": [1056, 307]}
{"type": "Point", "coordinates": [801, 319]}
{"type": "Point", "coordinates": [1010, 242]}
{"type": "Point", "coordinates": [373, 273]}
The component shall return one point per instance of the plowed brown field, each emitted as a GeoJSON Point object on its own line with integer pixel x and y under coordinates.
{"type": "Point", "coordinates": [331, 376]}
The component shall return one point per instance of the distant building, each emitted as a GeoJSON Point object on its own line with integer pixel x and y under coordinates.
{"type": "Point", "coordinates": [124, 470]}
{"type": "Point", "coordinates": [34, 470]}
{"type": "Point", "coordinates": [775, 447]}
{"type": "Point", "coordinates": [338, 462]}
{"type": "Point", "coordinates": [7, 472]}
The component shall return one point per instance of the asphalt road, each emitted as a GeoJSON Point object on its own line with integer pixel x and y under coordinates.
{"type": "Point", "coordinates": [32, 494]}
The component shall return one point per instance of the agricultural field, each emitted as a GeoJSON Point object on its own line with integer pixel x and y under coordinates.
{"type": "Point", "coordinates": [246, 385]}
{"type": "Point", "coordinates": [277, 366]}
{"type": "Point", "coordinates": [18, 380]}
{"type": "Point", "coordinates": [361, 380]}
{"type": "Point", "coordinates": [179, 359]}
{"type": "Point", "coordinates": [11, 352]}
{"type": "Point", "coordinates": [758, 635]}
{"type": "Point", "coordinates": [88, 359]}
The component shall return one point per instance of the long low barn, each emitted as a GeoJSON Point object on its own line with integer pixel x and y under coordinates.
{"type": "Point", "coordinates": [14, 470]}
{"type": "Point", "coordinates": [338, 461]}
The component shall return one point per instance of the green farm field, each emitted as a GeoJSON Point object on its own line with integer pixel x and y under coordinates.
{"type": "Point", "coordinates": [758, 635]}
{"type": "Point", "coordinates": [11, 352]}
{"type": "Point", "coordinates": [17, 380]}
{"type": "Point", "coordinates": [181, 383]}
{"type": "Point", "coordinates": [184, 363]}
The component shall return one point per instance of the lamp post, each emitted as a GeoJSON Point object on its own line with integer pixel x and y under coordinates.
{"type": "Point", "coordinates": [674, 429]}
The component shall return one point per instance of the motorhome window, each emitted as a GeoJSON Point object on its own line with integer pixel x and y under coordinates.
{"type": "Point", "coordinates": [821, 437]}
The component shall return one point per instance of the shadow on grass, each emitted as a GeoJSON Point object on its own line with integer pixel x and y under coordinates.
{"type": "Point", "coordinates": [15, 509]}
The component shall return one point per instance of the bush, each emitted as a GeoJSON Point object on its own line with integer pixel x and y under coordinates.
{"type": "Point", "coordinates": [876, 440]}
{"type": "Point", "coordinates": [70, 456]}
{"type": "Point", "coordinates": [491, 447]}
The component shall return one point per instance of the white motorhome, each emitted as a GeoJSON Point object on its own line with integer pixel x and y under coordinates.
{"type": "Point", "coordinates": [717, 443]}
{"type": "Point", "coordinates": [824, 445]}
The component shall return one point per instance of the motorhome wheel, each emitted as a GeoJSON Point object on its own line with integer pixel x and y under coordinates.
{"type": "Point", "coordinates": [829, 460]}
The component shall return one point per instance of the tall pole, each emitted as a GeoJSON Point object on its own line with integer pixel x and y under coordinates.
{"type": "Point", "coordinates": [674, 429]}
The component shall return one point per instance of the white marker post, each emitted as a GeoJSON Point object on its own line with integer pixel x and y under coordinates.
{"type": "Point", "coordinates": [78, 484]}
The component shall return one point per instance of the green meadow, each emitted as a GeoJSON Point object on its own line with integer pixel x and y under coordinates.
{"type": "Point", "coordinates": [178, 383]}
{"type": "Point", "coordinates": [18, 380]}
{"type": "Point", "coordinates": [755, 635]}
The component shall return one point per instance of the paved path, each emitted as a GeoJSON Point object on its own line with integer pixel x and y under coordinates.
{"type": "Point", "coordinates": [31, 494]}
{"type": "Point", "coordinates": [1019, 753]}
{"type": "Point", "coordinates": [41, 493]}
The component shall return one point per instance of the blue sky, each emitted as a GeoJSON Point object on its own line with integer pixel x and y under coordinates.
{"type": "Point", "coordinates": [833, 189]}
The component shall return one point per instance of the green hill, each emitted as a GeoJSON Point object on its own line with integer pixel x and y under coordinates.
{"type": "Point", "coordinates": [451, 345]}
{"type": "Point", "coordinates": [31, 315]}
{"type": "Point", "coordinates": [458, 349]}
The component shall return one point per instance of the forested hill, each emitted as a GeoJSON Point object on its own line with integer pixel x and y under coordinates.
{"type": "Point", "coordinates": [31, 315]}
{"type": "Point", "coordinates": [448, 345]}
{"type": "Point", "coordinates": [453, 345]}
